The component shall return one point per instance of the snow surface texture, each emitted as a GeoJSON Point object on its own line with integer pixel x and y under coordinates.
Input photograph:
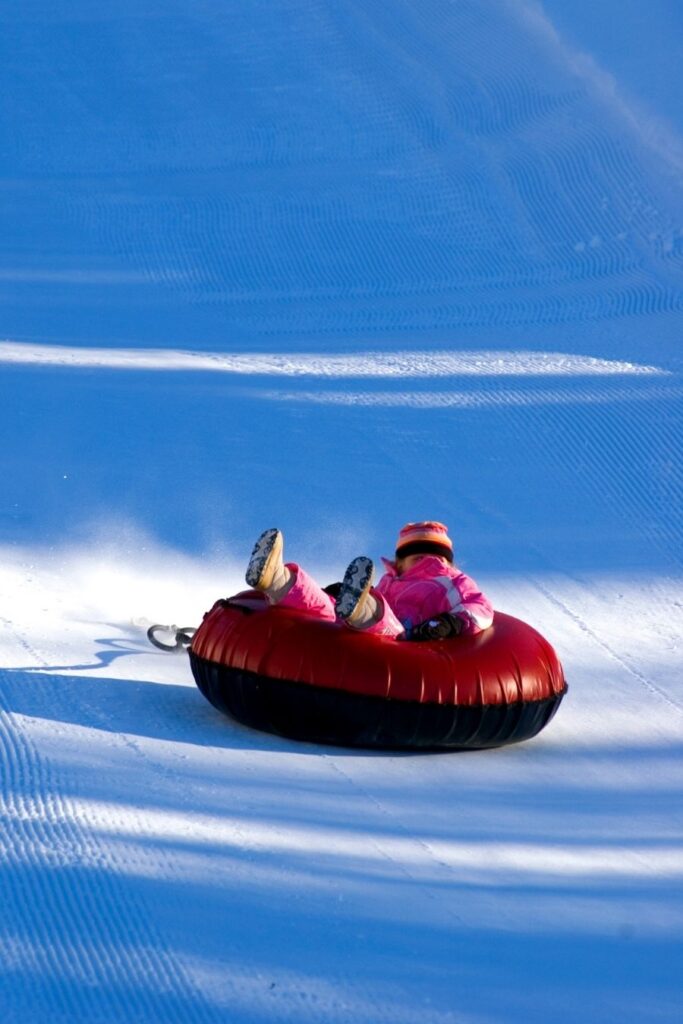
{"type": "Point", "coordinates": [332, 266]}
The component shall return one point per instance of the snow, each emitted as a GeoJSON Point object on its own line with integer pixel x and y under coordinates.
{"type": "Point", "coordinates": [334, 267]}
{"type": "Point", "coordinates": [411, 363]}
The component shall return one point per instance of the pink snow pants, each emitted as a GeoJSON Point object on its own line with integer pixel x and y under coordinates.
{"type": "Point", "coordinates": [307, 596]}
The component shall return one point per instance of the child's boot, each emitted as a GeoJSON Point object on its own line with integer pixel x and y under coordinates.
{"type": "Point", "coordinates": [266, 570]}
{"type": "Point", "coordinates": [355, 604]}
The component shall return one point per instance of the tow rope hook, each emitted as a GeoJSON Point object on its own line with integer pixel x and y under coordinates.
{"type": "Point", "coordinates": [174, 638]}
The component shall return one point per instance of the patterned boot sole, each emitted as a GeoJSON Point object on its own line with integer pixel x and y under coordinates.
{"type": "Point", "coordinates": [267, 550]}
{"type": "Point", "coordinates": [355, 586]}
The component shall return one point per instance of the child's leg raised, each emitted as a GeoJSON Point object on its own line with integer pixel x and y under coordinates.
{"type": "Point", "coordinates": [306, 595]}
{"type": "Point", "coordinates": [286, 585]}
{"type": "Point", "coordinates": [383, 622]}
{"type": "Point", "coordinates": [359, 606]}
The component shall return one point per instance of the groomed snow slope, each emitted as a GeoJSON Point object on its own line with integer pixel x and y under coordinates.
{"type": "Point", "coordinates": [333, 266]}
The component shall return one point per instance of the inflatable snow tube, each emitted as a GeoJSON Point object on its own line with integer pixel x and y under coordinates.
{"type": "Point", "coordinates": [283, 672]}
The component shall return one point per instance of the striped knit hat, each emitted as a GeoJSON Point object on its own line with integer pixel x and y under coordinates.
{"type": "Point", "coordinates": [424, 539]}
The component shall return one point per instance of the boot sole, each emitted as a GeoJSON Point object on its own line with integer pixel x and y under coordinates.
{"type": "Point", "coordinates": [355, 587]}
{"type": "Point", "coordinates": [265, 555]}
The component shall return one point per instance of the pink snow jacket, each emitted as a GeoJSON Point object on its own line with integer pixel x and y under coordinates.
{"type": "Point", "coordinates": [431, 587]}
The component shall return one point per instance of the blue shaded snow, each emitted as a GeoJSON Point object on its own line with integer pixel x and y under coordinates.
{"type": "Point", "coordinates": [344, 178]}
{"type": "Point", "coordinates": [332, 178]}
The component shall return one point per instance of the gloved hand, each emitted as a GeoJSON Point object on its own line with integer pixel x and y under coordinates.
{"type": "Point", "coordinates": [438, 628]}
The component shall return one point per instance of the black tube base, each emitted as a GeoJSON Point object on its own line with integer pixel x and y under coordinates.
{"type": "Point", "coordinates": [340, 718]}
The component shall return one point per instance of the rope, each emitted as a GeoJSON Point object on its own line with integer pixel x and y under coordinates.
{"type": "Point", "coordinates": [182, 637]}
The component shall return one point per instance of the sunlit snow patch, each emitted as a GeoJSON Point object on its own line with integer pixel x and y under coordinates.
{"type": "Point", "coordinates": [366, 364]}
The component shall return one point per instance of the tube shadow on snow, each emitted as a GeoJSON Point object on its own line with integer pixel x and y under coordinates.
{"type": "Point", "coordinates": [355, 913]}
{"type": "Point", "coordinates": [291, 816]}
{"type": "Point", "coordinates": [171, 711]}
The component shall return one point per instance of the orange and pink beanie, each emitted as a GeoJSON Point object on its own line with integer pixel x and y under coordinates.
{"type": "Point", "coordinates": [428, 538]}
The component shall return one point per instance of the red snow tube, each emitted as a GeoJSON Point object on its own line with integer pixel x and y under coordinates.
{"type": "Point", "coordinates": [284, 672]}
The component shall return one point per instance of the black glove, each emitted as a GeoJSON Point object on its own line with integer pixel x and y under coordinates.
{"type": "Point", "coordinates": [438, 628]}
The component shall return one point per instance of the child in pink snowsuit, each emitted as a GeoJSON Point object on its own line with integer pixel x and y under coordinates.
{"type": "Point", "coordinates": [421, 596]}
